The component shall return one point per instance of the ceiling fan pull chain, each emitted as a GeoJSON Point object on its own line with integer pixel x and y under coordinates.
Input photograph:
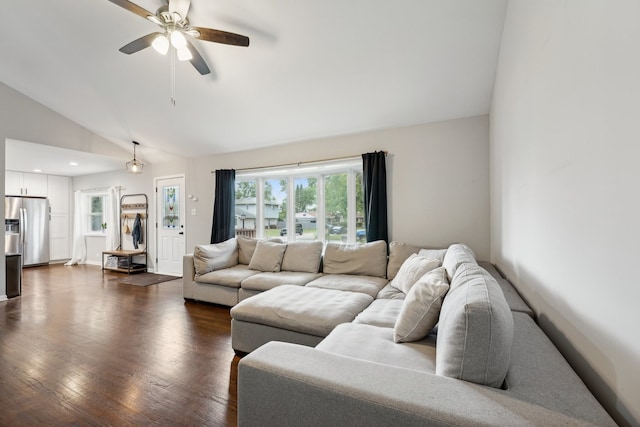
{"type": "Point", "coordinates": [173, 77]}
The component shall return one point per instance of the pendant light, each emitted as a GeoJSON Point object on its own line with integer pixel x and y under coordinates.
{"type": "Point", "coordinates": [135, 166]}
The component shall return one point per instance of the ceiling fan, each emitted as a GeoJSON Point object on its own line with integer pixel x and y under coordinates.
{"type": "Point", "coordinates": [172, 19]}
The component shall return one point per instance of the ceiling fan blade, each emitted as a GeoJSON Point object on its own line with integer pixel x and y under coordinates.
{"type": "Point", "coordinates": [197, 60]}
{"type": "Point", "coordinates": [180, 6]}
{"type": "Point", "coordinates": [139, 44]}
{"type": "Point", "coordinates": [218, 36]}
{"type": "Point", "coordinates": [132, 7]}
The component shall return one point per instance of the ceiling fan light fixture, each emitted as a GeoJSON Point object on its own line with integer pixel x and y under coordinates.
{"type": "Point", "coordinates": [184, 54]}
{"type": "Point", "coordinates": [154, 19]}
{"type": "Point", "coordinates": [178, 40]}
{"type": "Point", "coordinates": [161, 44]}
{"type": "Point", "coordinates": [135, 166]}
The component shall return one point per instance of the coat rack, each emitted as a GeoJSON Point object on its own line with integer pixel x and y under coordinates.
{"type": "Point", "coordinates": [131, 255]}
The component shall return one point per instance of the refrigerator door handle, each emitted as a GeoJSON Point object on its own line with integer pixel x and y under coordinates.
{"type": "Point", "coordinates": [23, 226]}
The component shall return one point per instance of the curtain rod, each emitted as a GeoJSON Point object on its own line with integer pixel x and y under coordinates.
{"type": "Point", "coordinates": [87, 190]}
{"type": "Point", "coordinates": [299, 163]}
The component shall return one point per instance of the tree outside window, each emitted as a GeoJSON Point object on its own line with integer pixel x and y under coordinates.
{"type": "Point", "coordinates": [306, 202]}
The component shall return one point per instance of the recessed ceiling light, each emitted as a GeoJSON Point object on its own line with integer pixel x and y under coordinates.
{"type": "Point", "coordinates": [37, 170]}
{"type": "Point", "coordinates": [73, 163]}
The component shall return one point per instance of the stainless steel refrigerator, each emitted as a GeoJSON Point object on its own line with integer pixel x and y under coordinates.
{"type": "Point", "coordinates": [27, 228]}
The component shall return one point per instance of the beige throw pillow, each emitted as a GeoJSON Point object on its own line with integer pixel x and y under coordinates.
{"type": "Point", "coordinates": [421, 308]}
{"type": "Point", "coordinates": [246, 247]}
{"type": "Point", "coordinates": [411, 270]}
{"type": "Point", "coordinates": [267, 256]}
{"type": "Point", "coordinates": [207, 258]}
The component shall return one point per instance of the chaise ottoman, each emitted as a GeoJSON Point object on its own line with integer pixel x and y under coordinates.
{"type": "Point", "coordinates": [295, 314]}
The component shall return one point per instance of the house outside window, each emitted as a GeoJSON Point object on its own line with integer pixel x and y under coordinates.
{"type": "Point", "coordinates": [318, 201]}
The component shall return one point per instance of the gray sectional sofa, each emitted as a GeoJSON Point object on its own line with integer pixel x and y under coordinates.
{"type": "Point", "coordinates": [347, 337]}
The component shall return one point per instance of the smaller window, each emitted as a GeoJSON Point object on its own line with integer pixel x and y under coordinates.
{"type": "Point", "coordinates": [97, 222]}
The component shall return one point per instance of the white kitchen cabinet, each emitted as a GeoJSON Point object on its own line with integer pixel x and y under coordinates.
{"type": "Point", "coordinates": [25, 184]}
{"type": "Point", "coordinates": [59, 193]}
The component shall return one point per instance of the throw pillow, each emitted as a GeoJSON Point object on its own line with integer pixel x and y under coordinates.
{"type": "Point", "coordinates": [267, 256]}
{"type": "Point", "coordinates": [434, 253]}
{"type": "Point", "coordinates": [246, 247]}
{"type": "Point", "coordinates": [421, 308]}
{"type": "Point", "coordinates": [207, 258]}
{"type": "Point", "coordinates": [411, 270]}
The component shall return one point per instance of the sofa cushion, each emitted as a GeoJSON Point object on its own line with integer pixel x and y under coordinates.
{"type": "Point", "coordinates": [312, 311]}
{"type": "Point", "coordinates": [381, 312]}
{"type": "Point", "coordinates": [369, 259]}
{"type": "Point", "coordinates": [413, 269]}
{"type": "Point", "coordinates": [246, 247]}
{"type": "Point", "coordinates": [207, 258]}
{"type": "Point", "coordinates": [346, 282]}
{"type": "Point", "coordinates": [475, 329]}
{"type": "Point", "coordinates": [375, 344]}
{"type": "Point", "coordinates": [230, 277]}
{"type": "Point", "coordinates": [421, 307]}
{"type": "Point", "coordinates": [267, 256]}
{"type": "Point", "coordinates": [456, 255]}
{"type": "Point", "coordinates": [389, 292]}
{"type": "Point", "coordinates": [267, 280]}
{"type": "Point", "coordinates": [398, 253]}
{"type": "Point", "coordinates": [303, 256]}
{"type": "Point", "coordinates": [433, 253]}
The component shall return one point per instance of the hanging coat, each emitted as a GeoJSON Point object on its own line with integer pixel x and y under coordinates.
{"type": "Point", "coordinates": [136, 233]}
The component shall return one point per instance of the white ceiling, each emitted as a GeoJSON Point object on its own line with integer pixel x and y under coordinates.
{"type": "Point", "coordinates": [313, 69]}
{"type": "Point", "coordinates": [29, 157]}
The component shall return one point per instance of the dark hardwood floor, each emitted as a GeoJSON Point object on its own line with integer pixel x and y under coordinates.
{"type": "Point", "coordinates": [78, 349]}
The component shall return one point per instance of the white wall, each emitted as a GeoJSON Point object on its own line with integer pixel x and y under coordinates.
{"type": "Point", "coordinates": [565, 168]}
{"type": "Point", "coordinates": [131, 184]}
{"type": "Point", "coordinates": [24, 119]}
{"type": "Point", "coordinates": [438, 179]}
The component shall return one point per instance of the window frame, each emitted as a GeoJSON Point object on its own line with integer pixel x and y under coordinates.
{"type": "Point", "coordinates": [90, 214]}
{"type": "Point", "coordinates": [319, 170]}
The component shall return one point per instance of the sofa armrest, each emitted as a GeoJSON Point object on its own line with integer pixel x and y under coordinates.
{"type": "Point", "coordinates": [283, 384]}
{"type": "Point", "coordinates": [188, 276]}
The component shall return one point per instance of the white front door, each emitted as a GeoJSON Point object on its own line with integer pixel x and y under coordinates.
{"type": "Point", "coordinates": [170, 217]}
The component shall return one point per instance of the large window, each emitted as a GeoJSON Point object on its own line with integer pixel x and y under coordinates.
{"type": "Point", "coordinates": [319, 201]}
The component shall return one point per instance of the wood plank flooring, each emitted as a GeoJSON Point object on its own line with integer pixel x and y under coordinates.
{"type": "Point", "coordinates": [77, 349]}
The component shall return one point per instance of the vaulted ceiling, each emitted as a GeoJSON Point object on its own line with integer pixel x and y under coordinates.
{"type": "Point", "coordinates": [313, 68]}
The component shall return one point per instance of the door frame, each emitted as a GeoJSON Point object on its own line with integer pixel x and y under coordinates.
{"type": "Point", "coordinates": [156, 207]}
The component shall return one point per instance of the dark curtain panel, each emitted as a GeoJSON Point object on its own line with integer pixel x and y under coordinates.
{"type": "Point", "coordinates": [374, 176]}
{"type": "Point", "coordinates": [224, 206]}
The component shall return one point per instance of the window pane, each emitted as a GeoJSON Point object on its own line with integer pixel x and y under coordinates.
{"type": "Point", "coordinates": [171, 206]}
{"type": "Point", "coordinates": [361, 236]}
{"type": "Point", "coordinates": [246, 206]}
{"type": "Point", "coordinates": [96, 204]}
{"type": "Point", "coordinates": [275, 207]}
{"type": "Point", "coordinates": [335, 202]}
{"type": "Point", "coordinates": [96, 222]}
{"type": "Point", "coordinates": [305, 193]}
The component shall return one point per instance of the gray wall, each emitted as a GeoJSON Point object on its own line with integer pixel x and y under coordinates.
{"type": "Point", "coordinates": [565, 170]}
